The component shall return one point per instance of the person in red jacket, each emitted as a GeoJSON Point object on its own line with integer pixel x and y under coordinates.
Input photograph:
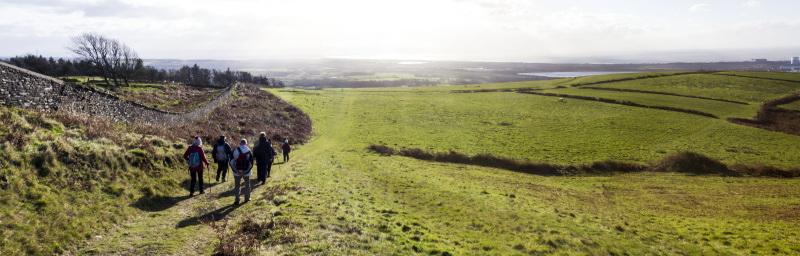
{"type": "Point", "coordinates": [195, 156]}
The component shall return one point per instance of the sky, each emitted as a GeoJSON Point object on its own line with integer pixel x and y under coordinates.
{"type": "Point", "coordinates": [479, 30]}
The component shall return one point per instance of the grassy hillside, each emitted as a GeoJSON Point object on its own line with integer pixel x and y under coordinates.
{"type": "Point", "coordinates": [68, 178]}
{"type": "Point", "coordinates": [346, 200]}
{"type": "Point", "coordinates": [335, 197]}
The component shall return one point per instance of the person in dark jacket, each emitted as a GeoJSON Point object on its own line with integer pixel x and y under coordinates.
{"type": "Point", "coordinates": [264, 153]}
{"type": "Point", "coordinates": [286, 149]}
{"type": "Point", "coordinates": [222, 152]}
{"type": "Point", "coordinates": [195, 156]}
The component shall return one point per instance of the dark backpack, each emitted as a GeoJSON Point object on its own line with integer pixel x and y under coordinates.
{"type": "Point", "coordinates": [241, 162]}
{"type": "Point", "coordinates": [221, 155]}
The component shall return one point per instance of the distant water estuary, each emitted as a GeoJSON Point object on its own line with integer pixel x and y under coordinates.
{"type": "Point", "coordinates": [574, 74]}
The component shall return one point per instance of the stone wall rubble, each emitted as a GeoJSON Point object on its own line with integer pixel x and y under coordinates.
{"type": "Point", "coordinates": [30, 90]}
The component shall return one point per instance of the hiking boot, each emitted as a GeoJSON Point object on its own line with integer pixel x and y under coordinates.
{"type": "Point", "coordinates": [224, 180]}
{"type": "Point", "coordinates": [191, 193]}
{"type": "Point", "coordinates": [202, 192]}
{"type": "Point", "coordinates": [236, 202]}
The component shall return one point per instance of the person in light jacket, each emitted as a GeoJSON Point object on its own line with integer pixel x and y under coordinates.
{"type": "Point", "coordinates": [241, 165]}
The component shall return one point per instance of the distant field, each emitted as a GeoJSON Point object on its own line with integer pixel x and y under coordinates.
{"type": "Point", "coordinates": [715, 86]}
{"type": "Point", "coordinates": [540, 128]}
{"type": "Point", "coordinates": [769, 75]}
{"type": "Point", "coordinates": [357, 202]}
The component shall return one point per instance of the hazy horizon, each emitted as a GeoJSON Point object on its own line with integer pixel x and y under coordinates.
{"type": "Point", "coordinates": [574, 31]}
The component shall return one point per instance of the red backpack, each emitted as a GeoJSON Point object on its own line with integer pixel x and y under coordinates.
{"type": "Point", "coordinates": [241, 162]}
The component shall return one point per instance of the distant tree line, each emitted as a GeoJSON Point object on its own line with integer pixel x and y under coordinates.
{"type": "Point", "coordinates": [343, 83]}
{"type": "Point", "coordinates": [120, 64]}
{"type": "Point", "coordinates": [193, 75]}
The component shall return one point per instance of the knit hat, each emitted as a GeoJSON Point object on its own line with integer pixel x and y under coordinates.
{"type": "Point", "coordinates": [286, 141]}
{"type": "Point", "coordinates": [197, 141]}
{"type": "Point", "coordinates": [262, 135]}
{"type": "Point", "coordinates": [243, 142]}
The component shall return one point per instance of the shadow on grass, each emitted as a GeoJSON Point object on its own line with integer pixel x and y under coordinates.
{"type": "Point", "coordinates": [215, 215]}
{"type": "Point", "coordinates": [232, 192]}
{"type": "Point", "coordinates": [157, 203]}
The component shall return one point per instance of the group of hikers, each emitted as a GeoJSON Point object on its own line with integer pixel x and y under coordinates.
{"type": "Point", "coordinates": [240, 159]}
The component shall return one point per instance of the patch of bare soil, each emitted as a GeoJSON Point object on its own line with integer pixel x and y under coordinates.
{"type": "Point", "coordinates": [771, 117]}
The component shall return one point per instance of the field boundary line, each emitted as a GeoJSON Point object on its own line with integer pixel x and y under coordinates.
{"type": "Point", "coordinates": [645, 77]}
{"type": "Point", "coordinates": [755, 77]}
{"type": "Point", "coordinates": [662, 93]}
{"type": "Point", "coordinates": [625, 103]}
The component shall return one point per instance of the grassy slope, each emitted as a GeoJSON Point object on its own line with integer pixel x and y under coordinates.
{"type": "Point", "coordinates": [67, 179]}
{"type": "Point", "coordinates": [349, 201]}
{"type": "Point", "coordinates": [355, 202]}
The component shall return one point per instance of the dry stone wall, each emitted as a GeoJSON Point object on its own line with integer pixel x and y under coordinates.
{"type": "Point", "coordinates": [26, 89]}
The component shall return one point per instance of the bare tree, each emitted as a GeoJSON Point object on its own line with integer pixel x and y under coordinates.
{"type": "Point", "coordinates": [115, 60]}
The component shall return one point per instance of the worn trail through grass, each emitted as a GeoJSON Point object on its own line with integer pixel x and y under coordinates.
{"type": "Point", "coordinates": [170, 225]}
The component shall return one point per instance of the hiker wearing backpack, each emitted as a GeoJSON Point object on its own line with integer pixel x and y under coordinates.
{"type": "Point", "coordinates": [286, 149]}
{"type": "Point", "coordinates": [241, 164]}
{"type": "Point", "coordinates": [222, 153]}
{"type": "Point", "coordinates": [195, 156]}
{"type": "Point", "coordinates": [264, 153]}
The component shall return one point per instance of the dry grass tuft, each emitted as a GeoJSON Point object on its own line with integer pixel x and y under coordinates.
{"type": "Point", "coordinates": [250, 234]}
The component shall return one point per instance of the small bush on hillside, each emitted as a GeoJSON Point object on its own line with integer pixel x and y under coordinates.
{"type": "Point", "coordinates": [690, 162]}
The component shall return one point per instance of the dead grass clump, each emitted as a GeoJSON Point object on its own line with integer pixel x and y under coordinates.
{"type": "Point", "coordinates": [383, 150]}
{"type": "Point", "coordinates": [690, 162]}
{"type": "Point", "coordinates": [451, 157]}
{"type": "Point", "coordinates": [246, 114]}
{"type": "Point", "coordinates": [765, 171]}
{"type": "Point", "coordinates": [233, 243]}
{"type": "Point", "coordinates": [250, 234]}
{"type": "Point", "coordinates": [417, 153]}
{"type": "Point", "coordinates": [616, 166]}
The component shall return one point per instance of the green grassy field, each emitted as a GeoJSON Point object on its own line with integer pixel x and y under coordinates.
{"type": "Point", "coordinates": [745, 89]}
{"type": "Point", "coordinates": [356, 202]}
{"type": "Point", "coordinates": [66, 179]}
{"type": "Point", "coordinates": [335, 197]}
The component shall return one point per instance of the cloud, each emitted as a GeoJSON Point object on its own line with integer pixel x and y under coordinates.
{"type": "Point", "coordinates": [752, 3]}
{"type": "Point", "coordinates": [700, 7]}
